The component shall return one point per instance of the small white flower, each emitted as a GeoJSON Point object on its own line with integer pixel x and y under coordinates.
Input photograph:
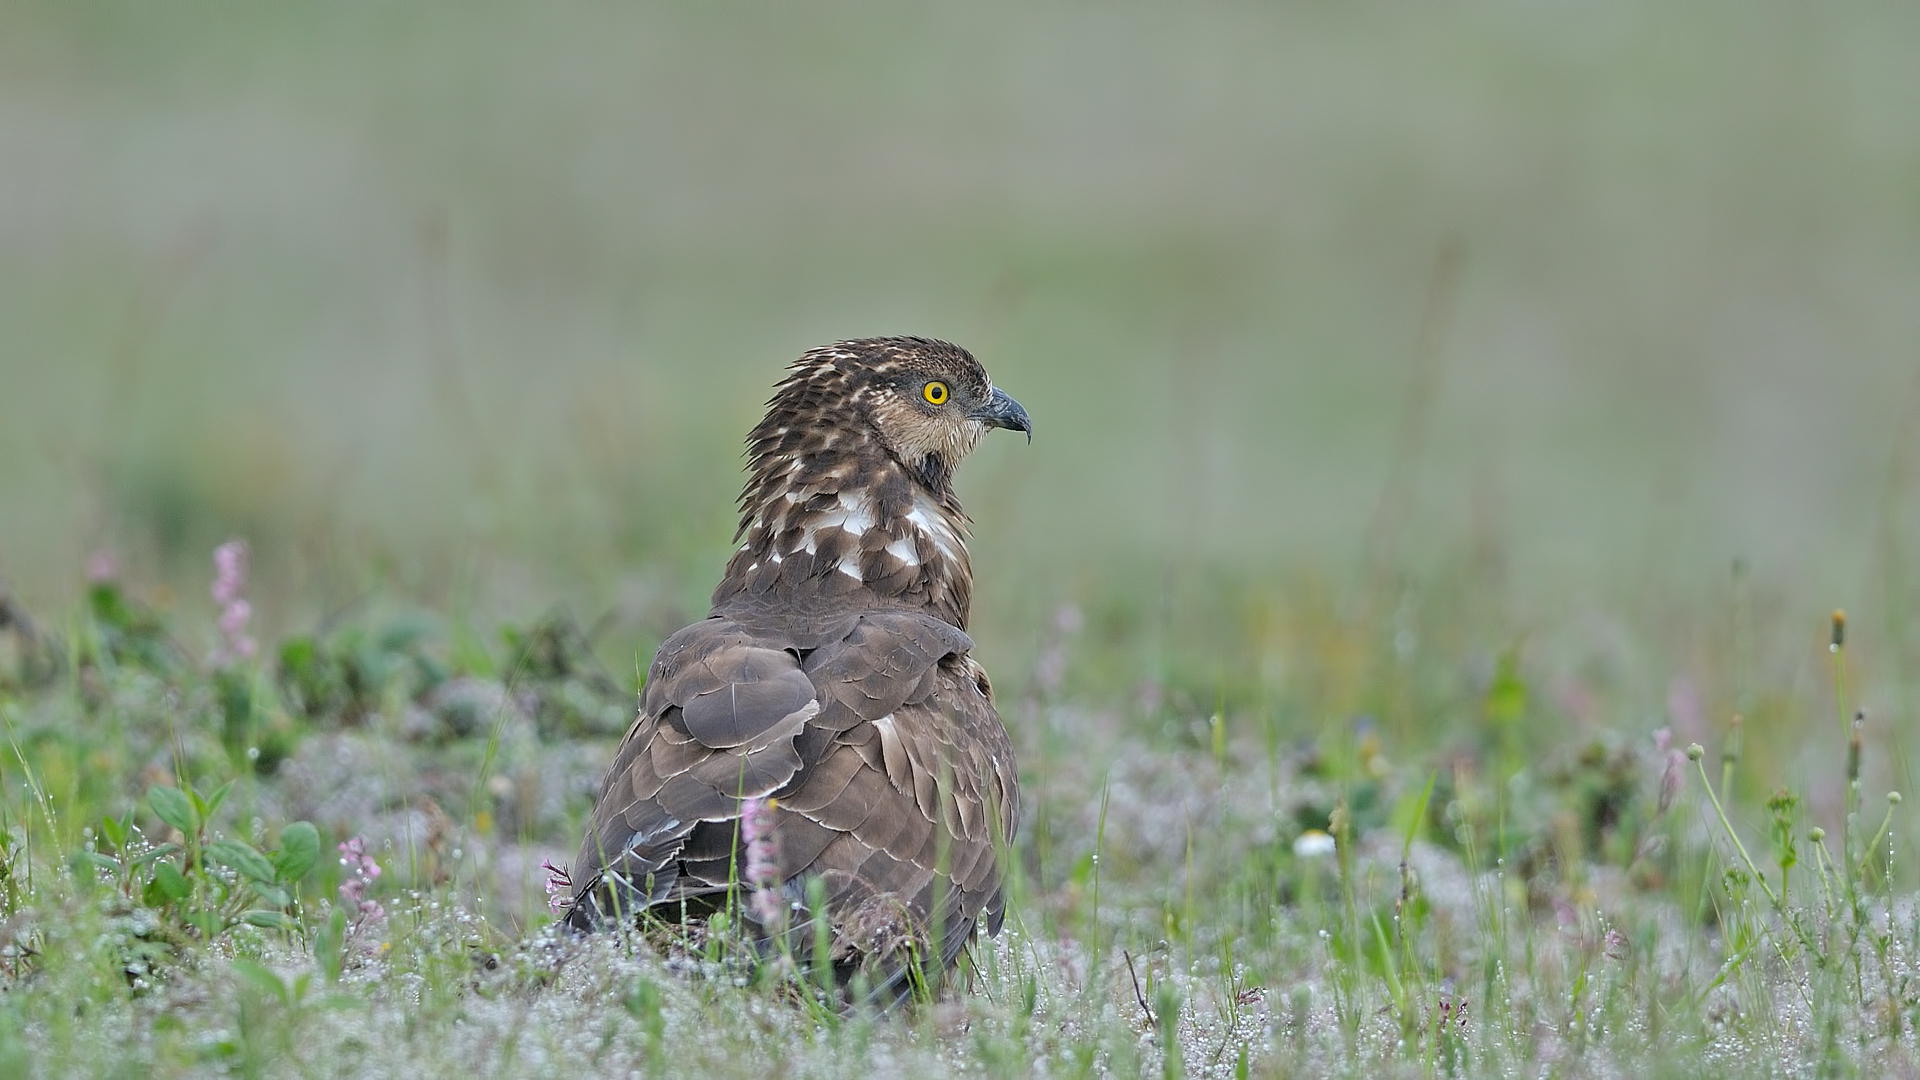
{"type": "Point", "coordinates": [1313, 844]}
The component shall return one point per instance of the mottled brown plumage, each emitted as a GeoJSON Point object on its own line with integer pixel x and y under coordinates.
{"type": "Point", "coordinates": [833, 676]}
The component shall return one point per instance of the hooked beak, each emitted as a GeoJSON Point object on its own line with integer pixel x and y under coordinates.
{"type": "Point", "coordinates": [1002, 411]}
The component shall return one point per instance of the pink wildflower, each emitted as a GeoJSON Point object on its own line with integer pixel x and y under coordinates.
{"type": "Point", "coordinates": [229, 591]}
{"type": "Point", "coordinates": [361, 870]}
{"type": "Point", "coordinates": [559, 887]}
{"type": "Point", "coordinates": [763, 863]}
{"type": "Point", "coordinates": [102, 567]}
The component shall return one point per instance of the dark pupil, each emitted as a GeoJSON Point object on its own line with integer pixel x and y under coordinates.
{"type": "Point", "coordinates": [936, 391]}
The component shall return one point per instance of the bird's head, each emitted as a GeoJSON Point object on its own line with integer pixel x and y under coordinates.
{"type": "Point", "coordinates": [928, 403]}
{"type": "Point", "coordinates": [849, 480]}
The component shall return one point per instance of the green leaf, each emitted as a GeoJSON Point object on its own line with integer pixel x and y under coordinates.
{"type": "Point", "coordinates": [114, 831]}
{"type": "Point", "coordinates": [160, 852]}
{"type": "Point", "coordinates": [299, 851]}
{"type": "Point", "coordinates": [272, 894]}
{"type": "Point", "coordinates": [209, 923]}
{"type": "Point", "coordinates": [174, 808]}
{"type": "Point", "coordinates": [1418, 815]}
{"type": "Point", "coordinates": [170, 885]}
{"type": "Point", "coordinates": [104, 862]}
{"type": "Point", "coordinates": [1506, 703]}
{"type": "Point", "coordinates": [212, 804]}
{"type": "Point", "coordinates": [241, 857]}
{"type": "Point", "coordinates": [327, 943]}
{"type": "Point", "coordinates": [271, 920]}
{"type": "Point", "coordinates": [261, 977]}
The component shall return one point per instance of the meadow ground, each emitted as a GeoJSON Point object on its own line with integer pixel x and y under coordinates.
{"type": "Point", "coordinates": [1476, 871]}
{"type": "Point", "coordinates": [1444, 422]}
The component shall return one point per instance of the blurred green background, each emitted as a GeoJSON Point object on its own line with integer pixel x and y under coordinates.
{"type": "Point", "coordinates": [474, 302]}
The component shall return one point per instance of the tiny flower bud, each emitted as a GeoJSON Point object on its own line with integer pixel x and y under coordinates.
{"type": "Point", "coordinates": [1695, 752]}
{"type": "Point", "coordinates": [1893, 798]}
{"type": "Point", "coordinates": [1839, 630]}
{"type": "Point", "coordinates": [1816, 834]}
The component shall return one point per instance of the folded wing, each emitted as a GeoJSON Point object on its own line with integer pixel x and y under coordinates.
{"type": "Point", "coordinates": [877, 738]}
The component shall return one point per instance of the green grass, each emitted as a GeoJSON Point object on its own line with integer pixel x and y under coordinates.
{"type": "Point", "coordinates": [1523, 875]}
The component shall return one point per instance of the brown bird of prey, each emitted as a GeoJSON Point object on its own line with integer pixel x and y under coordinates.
{"type": "Point", "coordinates": [833, 683]}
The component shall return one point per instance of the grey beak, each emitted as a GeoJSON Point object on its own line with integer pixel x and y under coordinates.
{"type": "Point", "coordinates": [1002, 411]}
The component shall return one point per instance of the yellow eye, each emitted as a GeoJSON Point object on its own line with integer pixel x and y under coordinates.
{"type": "Point", "coordinates": [935, 393]}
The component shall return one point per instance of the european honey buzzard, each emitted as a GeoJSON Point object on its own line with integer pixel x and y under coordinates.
{"type": "Point", "coordinates": [834, 679]}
